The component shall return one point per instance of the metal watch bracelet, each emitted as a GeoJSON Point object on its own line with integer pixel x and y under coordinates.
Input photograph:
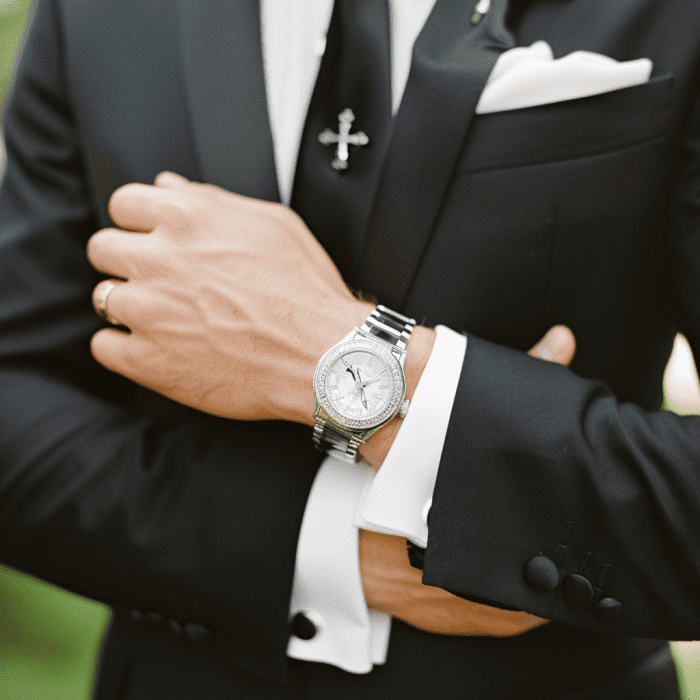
{"type": "Point", "coordinates": [383, 325]}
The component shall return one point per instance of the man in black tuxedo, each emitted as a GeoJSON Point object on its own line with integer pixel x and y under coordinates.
{"type": "Point", "coordinates": [562, 493]}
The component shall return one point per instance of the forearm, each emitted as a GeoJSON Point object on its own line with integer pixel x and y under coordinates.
{"type": "Point", "coordinates": [392, 585]}
{"type": "Point", "coordinates": [540, 461]}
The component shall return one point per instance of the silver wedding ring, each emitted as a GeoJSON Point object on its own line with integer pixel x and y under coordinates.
{"type": "Point", "coordinates": [99, 300]}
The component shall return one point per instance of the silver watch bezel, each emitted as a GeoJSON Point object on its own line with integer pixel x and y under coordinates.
{"type": "Point", "coordinates": [366, 345]}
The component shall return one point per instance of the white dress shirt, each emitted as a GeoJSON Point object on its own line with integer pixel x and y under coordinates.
{"type": "Point", "coordinates": [327, 583]}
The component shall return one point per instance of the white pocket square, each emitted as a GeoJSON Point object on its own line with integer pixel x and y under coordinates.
{"type": "Point", "coordinates": [530, 75]}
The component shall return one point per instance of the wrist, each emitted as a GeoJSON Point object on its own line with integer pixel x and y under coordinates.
{"type": "Point", "coordinates": [327, 328]}
{"type": "Point", "coordinates": [419, 349]}
{"type": "Point", "coordinates": [330, 327]}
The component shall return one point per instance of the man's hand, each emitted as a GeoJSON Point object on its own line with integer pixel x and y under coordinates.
{"type": "Point", "coordinates": [391, 584]}
{"type": "Point", "coordinates": [230, 301]}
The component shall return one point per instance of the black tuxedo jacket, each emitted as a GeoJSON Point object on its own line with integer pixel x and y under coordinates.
{"type": "Point", "coordinates": [585, 212]}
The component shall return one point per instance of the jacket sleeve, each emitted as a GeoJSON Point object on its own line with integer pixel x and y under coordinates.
{"type": "Point", "coordinates": [556, 498]}
{"type": "Point", "coordinates": [105, 488]}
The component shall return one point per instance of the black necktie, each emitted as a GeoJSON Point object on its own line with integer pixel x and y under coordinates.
{"type": "Point", "coordinates": [333, 191]}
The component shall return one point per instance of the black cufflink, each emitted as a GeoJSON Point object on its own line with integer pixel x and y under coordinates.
{"type": "Point", "coordinates": [303, 627]}
{"type": "Point", "coordinates": [416, 555]}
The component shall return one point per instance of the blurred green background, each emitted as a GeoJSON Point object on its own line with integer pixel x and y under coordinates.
{"type": "Point", "coordinates": [49, 639]}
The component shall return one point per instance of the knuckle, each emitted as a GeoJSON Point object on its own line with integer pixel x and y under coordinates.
{"type": "Point", "coordinates": [121, 304]}
{"type": "Point", "coordinates": [182, 212]}
{"type": "Point", "coordinates": [122, 196]}
{"type": "Point", "coordinates": [209, 189]}
{"type": "Point", "coordinates": [287, 215]}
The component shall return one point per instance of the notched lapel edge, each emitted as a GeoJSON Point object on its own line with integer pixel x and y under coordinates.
{"type": "Point", "coordinates": [450, 66]}
{"type": "Point", "coordinates": [225, 84]}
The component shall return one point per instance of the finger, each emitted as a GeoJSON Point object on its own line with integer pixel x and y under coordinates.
{"type": "Point", "coordinates": [114, 252]}
{"type": "Point", "coordinates": [558, 345]}
{"type": "Point", "coordinates": [278, 212]}
{"type": "Point", "coordinates": [125, 304]}
{"type": "Point", "coordinates": [170, 180]}
{"type": "Point", "coordinates": [115, 350]}
{"type": "Point", "coordinates": [146, 207]}
{"type": "Point", "coordinates": [135, 207]}
{"type": "Point", "coordinates": [100, 300]}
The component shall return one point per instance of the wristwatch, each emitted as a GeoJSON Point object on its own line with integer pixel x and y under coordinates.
{"type": "Point", "coordinates": [360, 383]}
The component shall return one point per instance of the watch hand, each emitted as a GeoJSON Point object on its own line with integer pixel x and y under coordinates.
{"type": "Point", "coordinates": [347, 369]}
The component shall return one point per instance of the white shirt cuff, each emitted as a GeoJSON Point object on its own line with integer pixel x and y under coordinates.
{"type": "Point", "coordinates": [398, 500]}
{"type": "Point", "coordinates": [327, 582]}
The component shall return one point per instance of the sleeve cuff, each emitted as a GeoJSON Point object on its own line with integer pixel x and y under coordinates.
{"type": "Point", "coordinates": [327, 587]}
{"type": "Point", "coordinates": [398, 500]}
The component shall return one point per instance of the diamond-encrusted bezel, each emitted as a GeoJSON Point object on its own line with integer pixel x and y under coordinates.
{"type": "Point", "coordinates": [389, 358]}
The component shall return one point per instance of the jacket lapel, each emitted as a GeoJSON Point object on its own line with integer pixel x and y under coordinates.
{"type": "Point", "coordinates": [225, 83]}
{"type": "Point", "coordinates": [451, 62]}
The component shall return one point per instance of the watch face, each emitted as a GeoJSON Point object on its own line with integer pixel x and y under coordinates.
{"type": "Point", "coordinates": [358, 385]}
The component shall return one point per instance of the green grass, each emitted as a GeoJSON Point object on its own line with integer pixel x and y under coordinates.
{"type": "Point", "coordinates": [13, 15]}
{"type": "Point", "coordinates": [49, 638]}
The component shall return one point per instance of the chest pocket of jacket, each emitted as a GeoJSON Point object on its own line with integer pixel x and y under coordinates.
{"type": "Point", "coordinates": [567, 130]}
{"type": "Point", "coordinates": [536, 191]}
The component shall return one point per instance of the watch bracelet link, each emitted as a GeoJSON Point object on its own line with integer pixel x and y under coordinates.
{"type": "Point", "coordinates": [382, 324]}
{"type": "Point", "coordinates": [389, 326]}
{"type": "Point", "coordinates": [327, 438]}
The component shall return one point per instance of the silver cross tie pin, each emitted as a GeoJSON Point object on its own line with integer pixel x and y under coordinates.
{"type": "Point", "coordinates": [344, 139]}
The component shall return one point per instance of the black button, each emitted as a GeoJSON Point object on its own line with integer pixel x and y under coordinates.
{"type": "Point", "coordinates": [578, 590]}
{"type": "Point", "coordinates": [302, 627]}
{"type": "Point", "coordinates": [155, 617]}
{"type": "Point", "coordinates": [137, 615]}
{"type": "Point", "coordinates": [541, 574]}
{"type": "Point", "coordinates": [196, 632]}
{"type": "Point", "coordinates": [608, 609]}
{"type": "Point", "coordinates": [174, 626]}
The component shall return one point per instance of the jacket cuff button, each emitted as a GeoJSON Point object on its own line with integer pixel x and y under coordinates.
{"type": "Point", "coordinates": [174, 626]}
{"type": "Point", "coordinates": [196, 632]}
{"type": "Point", "coordinates": [137, 615]}
{"type": "Point", "coordinates": [541, 574]}
{"type": "Point", "coordinates": [608, 609]}
{"type": "Point", "coordinates": [578, 590]}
